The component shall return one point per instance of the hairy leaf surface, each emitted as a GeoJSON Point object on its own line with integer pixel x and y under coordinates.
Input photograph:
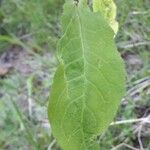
{"type": "Point", "coordinates": [108, 10]}
{"type": "Point", "coordinates": [89, 82]}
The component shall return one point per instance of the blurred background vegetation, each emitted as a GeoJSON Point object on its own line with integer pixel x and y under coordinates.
{"type": "Point", "coordinates": [29, 31]}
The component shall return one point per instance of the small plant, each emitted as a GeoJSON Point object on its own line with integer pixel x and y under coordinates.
{"type": "Point", "coordinates": [90, 80]}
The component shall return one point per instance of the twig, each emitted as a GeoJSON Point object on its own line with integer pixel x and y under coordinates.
{"type": "Point", "coordinates": [139, 12]}
{"type": "Point", "coordinates": [139, 86]}
{"type": "Point", "coordinates": [145, 79]}
{"type": "Point", "coordinates": [139, 137]}
{"type": "Point", "coordinates": [131, 45]}
{"type": "Point", "coordinates": [143, 120]}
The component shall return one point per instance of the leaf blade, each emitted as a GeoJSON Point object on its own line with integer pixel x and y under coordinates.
{"type": "Point", "coordinates": [108, 9]}
{"type": "Point", "coordinates": [83, 88]}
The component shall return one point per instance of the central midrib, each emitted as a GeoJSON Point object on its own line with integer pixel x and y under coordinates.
{"type": "Point", "coordinates": [84, 86]}
{"type": "Point", "coordinates": [83, 53]}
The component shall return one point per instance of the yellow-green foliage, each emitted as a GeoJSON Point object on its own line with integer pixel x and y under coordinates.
{"type": "Point", "coordinates": [108, 10]}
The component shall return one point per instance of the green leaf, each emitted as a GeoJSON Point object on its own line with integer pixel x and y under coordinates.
{"type": "Point", "coordinates": [89, 82]}
{"type": "Point", "coordinates": [108, 10]}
